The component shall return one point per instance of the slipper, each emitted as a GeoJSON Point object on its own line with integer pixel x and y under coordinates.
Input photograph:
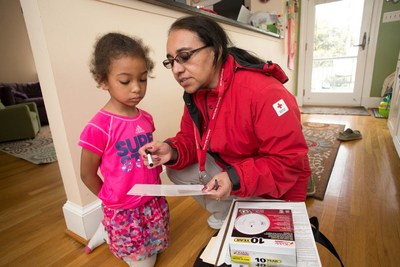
{"type": "Point", "coordinates": [349, 135]}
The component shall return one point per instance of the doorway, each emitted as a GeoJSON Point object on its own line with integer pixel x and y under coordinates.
{"type": "Point", "coordinates": [336, 49]}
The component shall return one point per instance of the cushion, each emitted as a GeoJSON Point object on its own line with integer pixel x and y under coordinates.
{"type": "Point", "coordinates": [30, 89]}
{"type": "Point", "coordinates": [18, 94]}
{"type": "Point", "coordinates": [38, 100]}
{"type": "Point", "coordinates": [6, 95]}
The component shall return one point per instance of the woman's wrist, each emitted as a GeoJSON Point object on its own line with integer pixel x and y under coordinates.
{"type": "Point", "coordinates": [174, 154]}
{"type": "Point", "coordinates": [234, 177]}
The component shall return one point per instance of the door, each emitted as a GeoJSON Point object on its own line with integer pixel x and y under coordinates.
{"type": "Point", "coordinates": [337, 39]}
{"type": "Point", "coordinates": [394, 115]}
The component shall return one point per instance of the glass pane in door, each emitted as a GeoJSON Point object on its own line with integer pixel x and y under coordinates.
{"type": "Point", "coordinates": [336, 36]}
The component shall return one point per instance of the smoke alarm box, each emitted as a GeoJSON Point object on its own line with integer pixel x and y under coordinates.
{"type": "Point", "coordinates": [263, 238]}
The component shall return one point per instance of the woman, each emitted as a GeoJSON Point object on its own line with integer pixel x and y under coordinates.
{"type": "Point", "coordinates": [240, 133]}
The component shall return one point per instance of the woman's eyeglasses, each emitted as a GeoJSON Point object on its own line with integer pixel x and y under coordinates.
{"type": "Point", "coordinates": [181, 57]}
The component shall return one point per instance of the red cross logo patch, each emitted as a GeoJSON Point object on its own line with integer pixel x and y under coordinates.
{"type": "Point", "coordinates": [280, 107]}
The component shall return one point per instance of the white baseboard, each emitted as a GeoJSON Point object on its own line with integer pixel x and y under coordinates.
{"type": "Point", "coordinates": [83, 221]}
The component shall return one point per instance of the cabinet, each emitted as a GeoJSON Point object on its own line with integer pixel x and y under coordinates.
{"type": "Point", "coordinates": [394, 114]}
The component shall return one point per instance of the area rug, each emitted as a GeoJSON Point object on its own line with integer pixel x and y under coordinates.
{"type": "Point", "coordinates": [39, 150]}
{"type": "Point", "coordinates": [359, 111]}
{"type": "Point", "coordinates": [323, 148]}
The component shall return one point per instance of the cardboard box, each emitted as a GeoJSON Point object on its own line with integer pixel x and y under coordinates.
{"type": "Point", "coordinates": [262, 238]}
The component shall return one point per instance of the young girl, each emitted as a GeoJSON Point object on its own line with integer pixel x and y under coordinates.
{"type": "Point", "coordinates": [137, 226]}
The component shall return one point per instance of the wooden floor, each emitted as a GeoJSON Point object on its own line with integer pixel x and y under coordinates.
{"type": "Point", "coordinates": [360, 213]}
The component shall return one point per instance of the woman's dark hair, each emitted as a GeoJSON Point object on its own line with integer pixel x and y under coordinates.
{"type": "Point", "coordinates": [113, 46]}
{"type": "Point", "coordinates": [212, 34]}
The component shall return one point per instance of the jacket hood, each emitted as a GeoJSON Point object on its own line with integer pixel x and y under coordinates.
{"type": "Point", "coordinates": [269, 69]}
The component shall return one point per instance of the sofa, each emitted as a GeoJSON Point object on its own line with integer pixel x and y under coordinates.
{"type": "Point", "coordinates": [19, 93]}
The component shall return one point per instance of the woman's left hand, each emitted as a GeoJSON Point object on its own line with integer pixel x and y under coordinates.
{"type": "Point", "coordinates": [220, 187]}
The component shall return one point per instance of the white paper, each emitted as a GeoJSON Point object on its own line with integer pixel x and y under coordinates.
{"type": "Point", "coordinates": [166, 190]}
{"type": "Point", "coordinates": [244, 15]}
{"type": "Point", "coordinates": [306, 249]}
{"type": "Point", "coordinates": [209, 252]}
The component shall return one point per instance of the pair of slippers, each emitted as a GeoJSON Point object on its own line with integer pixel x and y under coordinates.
{"type": "Point", "coordinates": [349, 135]}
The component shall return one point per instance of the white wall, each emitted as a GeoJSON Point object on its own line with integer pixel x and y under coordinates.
{"type": "Point", "coordinates": [16, 58]}
{"type": "Point", "coordinates": [270, 6]}
{"type": "Point", "coordinates": [62, 35]}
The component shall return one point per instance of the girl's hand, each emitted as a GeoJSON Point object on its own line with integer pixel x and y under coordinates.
{"type": "Point", "coordinates": [220, 187]}
{"type": "Point", "coordinates": [158, 152]}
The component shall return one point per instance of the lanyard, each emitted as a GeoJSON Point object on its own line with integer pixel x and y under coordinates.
{"type": "Point", "coordinates": [201, 145]}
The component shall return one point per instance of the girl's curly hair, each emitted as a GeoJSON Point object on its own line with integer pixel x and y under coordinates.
{"type": "Point", "coordinates": [112, 46]}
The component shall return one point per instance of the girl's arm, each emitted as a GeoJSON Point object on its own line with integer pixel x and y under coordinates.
{"type": "Point", "coordinates": [90, 163]}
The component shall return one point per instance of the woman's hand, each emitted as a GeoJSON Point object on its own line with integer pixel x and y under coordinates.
{"type": "Point", "coordinates": [220, 186]}
{"type": "Point", "coordinates": [159, 152]}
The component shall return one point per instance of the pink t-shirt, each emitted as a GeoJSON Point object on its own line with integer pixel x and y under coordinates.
{"type": "Point", "coordinates": [117, 140]}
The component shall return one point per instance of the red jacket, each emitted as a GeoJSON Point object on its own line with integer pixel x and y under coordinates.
{"type": "Point", "coordinates": [264, 154]}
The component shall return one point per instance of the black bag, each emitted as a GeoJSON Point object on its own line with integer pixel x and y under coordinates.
{"type": "Point", "coordinates": [318, 237]}
{"type": "Point", "coordinates": [322, 239]}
